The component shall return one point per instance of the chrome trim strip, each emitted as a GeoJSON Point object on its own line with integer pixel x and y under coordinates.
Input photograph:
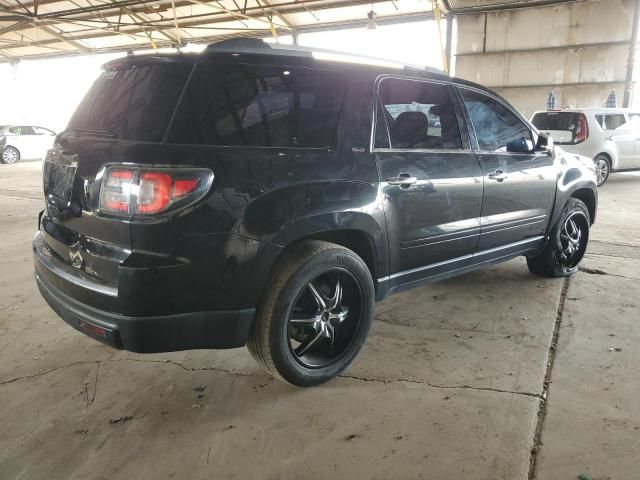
{"type": "Point", "coordinates": [510, 245]}
{"type": "Point", "coordinates": [464, 257]}
{"type": "Point", "coordinates": [428, 267]}
{"type": "Point", "coordinates": [422, 150]}
{"type": "Point", "coordinates": [425, 242]}
{"type": "Point", "coordinates": [77, 278]}
{"type": "Point", "coordinates": [500, 228]}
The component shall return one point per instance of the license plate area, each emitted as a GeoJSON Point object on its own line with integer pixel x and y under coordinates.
{"type": "Point", "coordinates": [58, 181]}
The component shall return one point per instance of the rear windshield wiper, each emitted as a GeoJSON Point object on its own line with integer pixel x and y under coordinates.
{"type": "Point", "coordinates": [87, 131]}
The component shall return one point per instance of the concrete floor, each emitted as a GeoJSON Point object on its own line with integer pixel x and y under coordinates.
{"type": "Point", "coordinates": [448, 386]}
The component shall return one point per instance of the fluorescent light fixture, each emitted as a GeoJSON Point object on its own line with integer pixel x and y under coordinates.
{"type": "Point", "coordinates": [371, 24]}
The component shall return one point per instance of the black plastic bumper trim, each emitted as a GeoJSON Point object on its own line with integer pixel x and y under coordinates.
{"type": "Point", "coordinates": [186, 331]}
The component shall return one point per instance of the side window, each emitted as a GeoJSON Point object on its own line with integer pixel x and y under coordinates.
{"type": "Point", "coordinates": [260, 106]}
{"type": "Point", "coordinates": [42, 131]}
{"type": "Point", "coordinates": [497, 128]}
{"type": "Point", "coordinates": [419, 115]}
{"type": "Point", "coordinates": [614, 121]}
{"type": "Point", "coordinates": [600, 120]}
{"type": "Point", "coordinates": [16, 130]}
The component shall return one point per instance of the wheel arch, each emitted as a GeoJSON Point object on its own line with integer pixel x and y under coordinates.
{"type": "Point", "coordinates": [588, 197]}
{"type": "Point", "coordinates": [613, 159]}
{"type": "Point", "coordinates": [12, 146]}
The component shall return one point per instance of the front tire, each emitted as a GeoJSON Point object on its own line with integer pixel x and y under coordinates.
{"type": "Point", "coordinates": [567, 243]}
{"type": "Point", "coordinates": [603, 169]}
{"type": "Point", "coordinates": [315, 314]}
{"type": "Point", "coordinates": [10, 155]}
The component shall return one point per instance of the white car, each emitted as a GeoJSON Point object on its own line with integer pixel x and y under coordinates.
{"type": "Point", "coordinates": [24, 142]}
{"type": "Point", "coordinates": [610, 136]}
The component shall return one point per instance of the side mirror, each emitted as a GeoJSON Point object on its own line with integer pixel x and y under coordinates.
{"type": "Point", "coordinates": [544, 144]}
{"type": "Point", "coordinates": [520, 145]}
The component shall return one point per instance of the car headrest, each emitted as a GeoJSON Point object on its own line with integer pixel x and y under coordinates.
{"type": "Point", "coordinates": [409, 126]}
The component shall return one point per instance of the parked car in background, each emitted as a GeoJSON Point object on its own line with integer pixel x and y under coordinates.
{"type": "Point", "coordinates": [24, 142]}
{"type": "Point", "coordinates": [610, 136]}
{"type": "Point", "coordinates": [258, 195]}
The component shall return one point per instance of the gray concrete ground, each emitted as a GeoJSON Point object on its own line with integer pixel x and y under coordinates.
{"type": "Point", "coordinates": [448, 386]}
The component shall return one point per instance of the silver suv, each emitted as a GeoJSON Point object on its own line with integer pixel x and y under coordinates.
{"type": "Point", "coordinates": [610, 136]}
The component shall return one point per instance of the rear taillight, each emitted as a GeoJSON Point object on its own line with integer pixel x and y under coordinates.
{"type": "Point", "coordinates": [582, 129]}
{"type": "Point", "coordinates": [141, 191]}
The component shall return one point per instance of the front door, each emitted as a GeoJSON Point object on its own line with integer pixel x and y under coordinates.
{"type": "Point", "coordinates": [431, 180]}
{"type": "Point", "coordinates": [519, 183]}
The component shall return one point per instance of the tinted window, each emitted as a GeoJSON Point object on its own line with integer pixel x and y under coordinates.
{"type": "Point", "coordinates": [600, 120]}
{"type": "Point", "coordinates": [555, 121]}
{"type": "Point", "coordinates": [497, 128]}
{"type": "Point", "coordinates": [43, 131]}
{"type": "Point", "coordinates": [614, 121]}
{"type": "Point", "coordinates": [418, 115]}
{"type": "Point", "coordinates": [21, 131]}
{"type": "Point", "coordinates": [133, 102]}
{"type": "Point", "coordinates": [248, 105]}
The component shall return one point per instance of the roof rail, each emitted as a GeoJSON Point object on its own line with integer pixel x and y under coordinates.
{"type": "Point", "coordinates": [258, 46]}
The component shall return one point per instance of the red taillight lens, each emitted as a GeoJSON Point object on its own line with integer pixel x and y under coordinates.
{"type": "Point", "coordinates": [582, 129]}
{"type": "Point", "coordinates": [183, 187]}
{"type": "Point", "coordinates": [116, 189]}
{"type": "Point", "coordinates": [155, 189]}
{"type": "Point", "coordinates": [152, 191]}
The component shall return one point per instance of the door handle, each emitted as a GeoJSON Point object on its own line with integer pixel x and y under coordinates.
{"type": "Point", "coordinates": [498, 175]}
{"type": "Point", "coordinates": [403, 180]}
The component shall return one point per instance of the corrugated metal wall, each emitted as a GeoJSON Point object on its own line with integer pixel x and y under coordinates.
{"type": "Point", "coordinates": [579, 50]}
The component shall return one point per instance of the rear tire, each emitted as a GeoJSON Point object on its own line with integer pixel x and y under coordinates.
{"type": "Point", "coordinates": [567, 243]}
{"type": "Point", "coordinates": [315, 314]}
{"type": "Point", "coordinates": [10, 155]}
{"type": "Point", "coordinates": [603, 169]}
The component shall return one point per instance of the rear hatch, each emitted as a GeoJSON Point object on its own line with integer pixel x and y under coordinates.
{"type": "Point", "coordinates": [564, 127]}
{"type": "Point", "coordinates": [129, 106]}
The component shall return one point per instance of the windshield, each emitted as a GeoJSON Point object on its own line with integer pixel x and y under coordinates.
{"type": "Point", "coordinates": [132, 102]}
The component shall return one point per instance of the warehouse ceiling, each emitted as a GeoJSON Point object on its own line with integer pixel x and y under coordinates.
{"type": "Point", "coordinates": [45, 28]}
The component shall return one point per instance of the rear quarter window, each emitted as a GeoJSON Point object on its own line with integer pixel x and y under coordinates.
{"type": "Point", "coordinates": [260, 106]}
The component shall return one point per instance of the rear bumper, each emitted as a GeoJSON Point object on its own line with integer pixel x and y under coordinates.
{"type": "Point", "coordinates": [145, 334]}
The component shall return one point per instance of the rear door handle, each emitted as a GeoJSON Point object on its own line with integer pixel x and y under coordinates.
{"type": "Point", "coordinates": [403, 180]}
{"type": "Point", "coordinates": [498, 175]}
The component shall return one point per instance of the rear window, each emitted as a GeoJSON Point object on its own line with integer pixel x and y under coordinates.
{"type": "Point", "coordinates": [134, 102]}
{"type": "Point", "coordinates": [555, 121]}
{"type": "Point", "coordinates": [260, 106]}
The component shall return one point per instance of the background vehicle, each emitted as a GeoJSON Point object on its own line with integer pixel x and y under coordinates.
{"type": "Point", "coordinates": [610, 136]}
{"type": "Point", "coordinates": [257, 195]}
{"type": "Point", "coordinates": [24, 142]}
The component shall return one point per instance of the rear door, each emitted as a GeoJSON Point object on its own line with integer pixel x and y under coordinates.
{"type": "Point", "coordinates": [431, 180]}
{"type": "Point", "coordinates": [519, 183]}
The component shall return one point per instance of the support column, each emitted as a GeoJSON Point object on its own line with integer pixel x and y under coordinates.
{"type": "Point", "coordinates": [631, 62]}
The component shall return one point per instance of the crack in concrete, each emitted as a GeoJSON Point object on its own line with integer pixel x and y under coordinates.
{"type": "Point", "coordinates": [51, 370]}
{"type": "Point", "coordinates": [597, 271]}
{"type": "Point", "coordinates": [444, 387]}
{"type": "Point", "coordinates": [542, 408]}
{"type": "Point", "coordinates": [91, 400]}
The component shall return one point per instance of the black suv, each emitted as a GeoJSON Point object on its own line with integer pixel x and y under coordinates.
{"type": "Point", "coordinates": [267, 196]}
